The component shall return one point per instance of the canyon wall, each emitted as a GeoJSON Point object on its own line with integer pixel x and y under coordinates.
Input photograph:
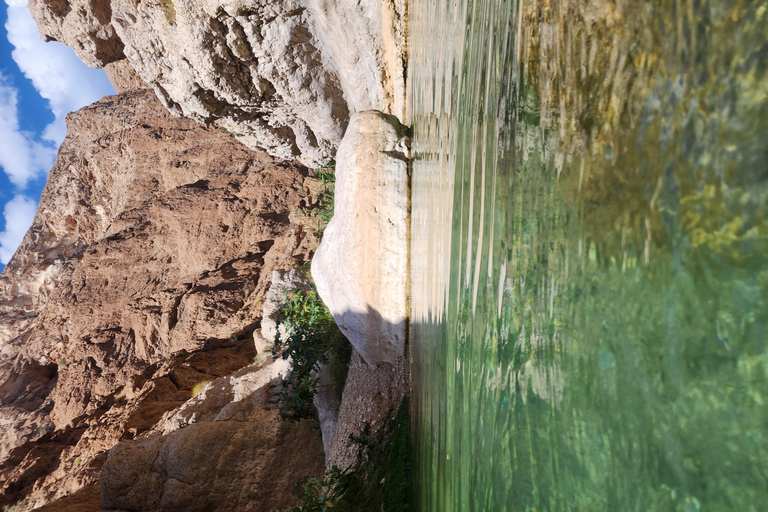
{"type": "Point", "coordinates": [130, 353]}
{"type": "Point", "coordinates": [143, 274]}
{"type": "Point", "coordinates": [283, 76]}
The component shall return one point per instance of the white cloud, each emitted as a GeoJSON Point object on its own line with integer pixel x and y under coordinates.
{"type": "Point", "coordinates": [21, 157]}
{"type": "Point", "coordinates": [62, 79]}
{"type": "Point", "coordinates": [19, 213]}
{"type": "Point", "coordinates": [54, 69]}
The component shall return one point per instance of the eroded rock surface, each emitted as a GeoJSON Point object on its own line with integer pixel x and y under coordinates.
{"type": "Point", "coordinates": [222, 450]}
{"type": "Point", "coordinates": [249, 464]}
{"type": "Point", "coordinates": [283, 76]}
{"type": "Point", "coordinates": [372, 395]}
{"type": "Point", "coordinates": [360, 268]}
{"type": "Point", "coordinates": [144, 273]}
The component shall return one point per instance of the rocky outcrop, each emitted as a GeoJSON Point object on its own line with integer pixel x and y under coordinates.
{"type": "Point", "coordinates": [248, 464]}
{"type": "Point", "coordinates": [283, 76]}
{"type": "Point", "coordinates": [123, 78]}
{"type": "Point", "coordinates": [360, 268]}
{"type": "Point", "coordinates": [371, 397]}
{"type": "Point", "coordinates": [83, 25]}
{"type": "Point", "coordinates": [143, 274]}
{"type": "Point", "coordinates": [222, 450]}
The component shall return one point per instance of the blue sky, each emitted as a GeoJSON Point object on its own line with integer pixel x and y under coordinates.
{"type": "Point", "coordinates": [39, 84]}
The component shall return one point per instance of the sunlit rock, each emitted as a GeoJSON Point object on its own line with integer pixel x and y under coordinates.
{"type": "Point", "coordinates": [281, 76]}
{"type": "Point", "coordinates": [360, 268]}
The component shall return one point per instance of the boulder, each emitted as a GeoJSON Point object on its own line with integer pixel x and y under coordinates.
{"type": "Point", "coordinates": [360, 268]}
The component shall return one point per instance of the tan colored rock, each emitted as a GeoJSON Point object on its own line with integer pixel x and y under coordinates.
{"type": "Point", "coordinates": [155, 240]}
{"type": "Point", "coordinates": [123, 77]}
{"type": "Point", "coordinates": [249, 463]}
{"type": "Point", "coordinates": [83, 25]}
{"type": "Point", "coordinates": [220, 399]}
{"type": "Point", "coordinates": [282, 76]}
{"type": "Point", "coordinates": [62, 462]}
{"type": "Point", "coordinates": [360, 268]}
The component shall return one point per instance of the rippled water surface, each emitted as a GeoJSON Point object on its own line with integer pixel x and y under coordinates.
{"type": "Point", "coordinates": [590, 254]}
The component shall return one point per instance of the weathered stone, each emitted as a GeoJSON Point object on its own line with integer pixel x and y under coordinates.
{"type": "Point", "coordinates": [155, 241]}
{"type": "Point", "coordinates": [283, 283]}
{"type": "Point", "coordinates": [282, 76]}
{"type": "Point", "coordinates": [83, 25]}
{"type": "Point", "coordinates": [249, 463]}
{"type": "Point", "coordinates": [123, 77]}
{"type": "Point", "coordinates": [371, 397]}
{"type": "Point", "coordinates": [360, 268]}
{"type": "Point", "coordinates": [327, 401]}
{"type": "Point", "coordinates": [219, 399]}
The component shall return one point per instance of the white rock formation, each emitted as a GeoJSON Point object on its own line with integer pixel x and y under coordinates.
{"type": "Point", "coordinates": [283, 283]}
{"type": "Point", "coordinates": [360, 268]}
{"type": "Point", "coordinates": [282, 76]}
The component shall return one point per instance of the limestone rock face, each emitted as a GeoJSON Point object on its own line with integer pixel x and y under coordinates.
{"type": "Point", "coordinates": [283, 76]}
{"type": "Point", "coordinates": [360, 268]}
{"type": "Point", "coordinates": [154, 242]}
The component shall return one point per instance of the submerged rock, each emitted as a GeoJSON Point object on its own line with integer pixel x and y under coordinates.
{"type": "Point", "coordinates": [360, 268]}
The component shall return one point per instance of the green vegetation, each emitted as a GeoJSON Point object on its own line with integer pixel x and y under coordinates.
{"type": "Point", "coordinates": [170, 11]}
{"type": "Point", "coordinates": [379, 483]}
{"type": "Point", "coordinates": [199, 387]}
{"type": "Point", "coordinates": [325, 202]}
{"type": "Point", "coordinates": [311, 339]}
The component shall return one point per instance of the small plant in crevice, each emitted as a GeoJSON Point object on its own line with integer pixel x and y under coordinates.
{"type": "Point", "coordinates": [324, 494]}
{"type": "Point", "coordinates": [325, 203]}
{"type": "Point", "coordinates": [380, 482]}
{"type": "Point", "coordinates": [311, 339]}
{"type": "Point", "coordinates": [199, 387]}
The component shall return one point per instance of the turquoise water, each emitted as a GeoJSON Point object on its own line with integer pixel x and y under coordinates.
{"type": "Point", "coordinates": [590, 254]}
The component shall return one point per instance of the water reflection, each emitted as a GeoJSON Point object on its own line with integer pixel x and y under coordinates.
{"type": "Point", "coordinates": [589, 254]}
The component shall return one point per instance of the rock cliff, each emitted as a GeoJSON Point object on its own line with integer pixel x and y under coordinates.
{"type": "Point", "coordinates": [142, 276]}
{"type": "Point", "coordinates": [133, 373]}
{"type": "Point", "coordinates": [282, 75]}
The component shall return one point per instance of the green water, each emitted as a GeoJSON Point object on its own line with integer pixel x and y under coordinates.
{"type": "Point", "coordinates": [590, 254]}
